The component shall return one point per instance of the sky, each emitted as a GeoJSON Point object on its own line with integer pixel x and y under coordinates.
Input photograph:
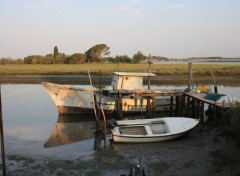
{"type": "Point", "coordinates": [169, 28]}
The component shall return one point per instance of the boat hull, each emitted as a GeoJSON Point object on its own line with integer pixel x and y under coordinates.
{"type": "Point", "coordinates": [73, 100]}
{"type": "Point", "coordinates": [146, 139]}
{"type": "Point", "coordinates": [152, 130]}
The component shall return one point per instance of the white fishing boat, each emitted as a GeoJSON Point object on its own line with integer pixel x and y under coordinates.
{"type": "Point", "coordinates": [79, 99]}
{"type": "Point", "coordinates": [152, 130]}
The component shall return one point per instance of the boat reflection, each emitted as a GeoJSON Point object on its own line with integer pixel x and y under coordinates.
{"type": "Point", "coordinates": [70, 129]}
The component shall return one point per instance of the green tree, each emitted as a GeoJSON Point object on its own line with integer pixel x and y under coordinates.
{"type": "Point", "coordinates": [96, 52]}
{"type": "Point", "coordinates": [139, 57]}
{"type": "Point", "coordinates": [77, 58]}
{"type": "Point", "coordinates": [34, 59]}
{"type": "Point", "coordinates": [55, 52]}
{"type": "Point", "coordinates": [123, 59]}
{"type": "Point", "coordinates": [61, 58]}
{"type": "Point", "coordinates": [48, 59]}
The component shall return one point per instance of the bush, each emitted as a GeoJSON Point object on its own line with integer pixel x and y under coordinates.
{"type": "Point", "coordinates": [232, 121]}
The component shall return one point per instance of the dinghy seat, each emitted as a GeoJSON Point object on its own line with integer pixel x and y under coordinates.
{"type": "Point", "coordinates": [158, 128]}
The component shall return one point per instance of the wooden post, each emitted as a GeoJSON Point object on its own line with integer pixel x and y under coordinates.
{"type": "Point", "coordinates": [189, 75]}
{"type": "Point", "coordinates": [148, 107]}
{"type": "Point", "coordinates": [119, 106]}
{"type": "Point", "coordinates": [149, 70]}
{"type": "Point", "coordinates": [154, 106]}
{"type": "Point", "coordinates": [105, 127]}
{"type": "Point", "coordinates": [177, 106]}
{"type": "Point", "coordinates": [202, 112]}
{"type": "Point", "coordinates": [182, 104]}
{"type": "Point", "coordinates": [188, 106]}
{"type": "Point", "coordinates": [171, 106]}
{"type": "Point", "coordinates": [2, 136]}
{"type": "Point", "coordinates": [193, 108]}
{"type": "Point", "coordinates": [214, 81]}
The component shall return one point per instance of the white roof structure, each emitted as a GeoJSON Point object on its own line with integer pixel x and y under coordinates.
{"type": "Point", "coordinates": [136, 74]}
{"type": "Point", "coordinates": [129, 80]}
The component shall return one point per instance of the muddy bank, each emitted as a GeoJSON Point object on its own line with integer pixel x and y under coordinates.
{"type": "Point", "coordinates": [106, 80]}
{"type": "Point", "coordinates": [203, 152]}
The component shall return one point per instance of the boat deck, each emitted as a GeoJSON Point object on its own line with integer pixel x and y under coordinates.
{"type": "Point", "coordinates": [148, 92]}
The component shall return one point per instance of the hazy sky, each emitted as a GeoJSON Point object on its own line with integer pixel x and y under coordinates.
{"type": "Point", "coordinates": [170, 28]}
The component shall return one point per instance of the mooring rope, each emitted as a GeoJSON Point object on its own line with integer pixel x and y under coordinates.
{"type": "Point", "coordinates": [23, 90]}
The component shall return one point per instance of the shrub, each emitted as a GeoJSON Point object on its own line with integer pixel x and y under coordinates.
{"type": "Point", "coordinates": [232, 121]}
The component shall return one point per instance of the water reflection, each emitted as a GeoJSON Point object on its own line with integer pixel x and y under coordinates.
{"type": "Point", "coordinates": [70, 129]}
{"type": "Point", "coordinates": [30, 118]}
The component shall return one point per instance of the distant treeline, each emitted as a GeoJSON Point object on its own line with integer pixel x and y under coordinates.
{"type": "Point", "coordinates": [99, 53]}
{"type": "Point", "coordinates": [212, 59]}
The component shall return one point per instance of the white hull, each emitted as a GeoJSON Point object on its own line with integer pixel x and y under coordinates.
{"type": "Point", "coordinates": [73, 99]}
{"type": "Point", "coordinates": [152, 130]}
{"type": "Point", "coordinates": [70, 99]}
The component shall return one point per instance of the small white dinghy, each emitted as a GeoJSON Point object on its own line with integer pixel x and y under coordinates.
{"type": "Point", "coordinates": [152, 130]}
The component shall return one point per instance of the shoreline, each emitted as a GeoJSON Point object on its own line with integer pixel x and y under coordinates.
{"type": "Point", "coordinates": [229, 80]}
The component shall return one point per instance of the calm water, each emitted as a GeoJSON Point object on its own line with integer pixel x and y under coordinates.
{"type": "Point", "coordinates": [198, 62]}
{"type": "Point", "coordinates": [31, 122]}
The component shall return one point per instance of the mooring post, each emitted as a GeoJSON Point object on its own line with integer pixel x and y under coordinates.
{"type": "Point", "coordinates": [177, 106]}
{"type": "Point", "coordinates": [193, 108]}
{"type": "Point", "coordinates": [119, 106]}
{"type": "Point", "coordinates": [154, 106]}
{"type": "Point", "coordinates": [2, 136]}
{"type": "Point", "coordinates": [149, 70]}
{"type": "Point", "coordinates": [148, 107]}
{"type": "Point", "coordinates": [171, 106]}
{"type": "Point", "coordinates": [189, 75]}
{"type": "Point", "coordinates": [202, 112]}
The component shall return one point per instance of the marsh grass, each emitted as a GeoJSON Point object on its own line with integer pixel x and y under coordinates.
{"type": "Point", "coordinates": [107, 69]}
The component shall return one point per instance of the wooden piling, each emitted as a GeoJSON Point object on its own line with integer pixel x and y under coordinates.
{"type": "Point", "coordinates": [2, 136]}
{"type": "Point", "coordinates": [119, 106]}
{"type": "Point", "coordinates": [171, 106]}
{"type": "Point", "coordinates": [177, 113]}
{"type": "Point", "coordinates": [189, 75]}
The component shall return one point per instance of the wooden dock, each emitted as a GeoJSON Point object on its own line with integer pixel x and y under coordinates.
{"type": "Point", "coordinates": [149, 93]}
{"type": "Point", "coordinates": [201, 97]}
{"type": "Point", "coordinates": [188, 103]}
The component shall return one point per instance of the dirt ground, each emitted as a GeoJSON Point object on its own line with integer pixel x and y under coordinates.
{"type": "Point", "coordinates": [203, 152]}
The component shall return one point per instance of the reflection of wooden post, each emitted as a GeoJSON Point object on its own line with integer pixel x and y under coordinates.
{"type": "Point", "coordinates": [2, 136]}
{"type": "Point", "coordinates": [189, 75]}
{"type": "Point", "coordinates": [105, 127]}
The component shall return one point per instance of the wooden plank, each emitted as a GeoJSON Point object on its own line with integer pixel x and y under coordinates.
{"type": "Point", "coordinates": [201, 98]}
{"type": "Point", "coordinates": [148, 91]}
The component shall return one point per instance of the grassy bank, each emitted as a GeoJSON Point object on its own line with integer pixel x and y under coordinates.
{"type": "Point", "coordinates": [94, 68]}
